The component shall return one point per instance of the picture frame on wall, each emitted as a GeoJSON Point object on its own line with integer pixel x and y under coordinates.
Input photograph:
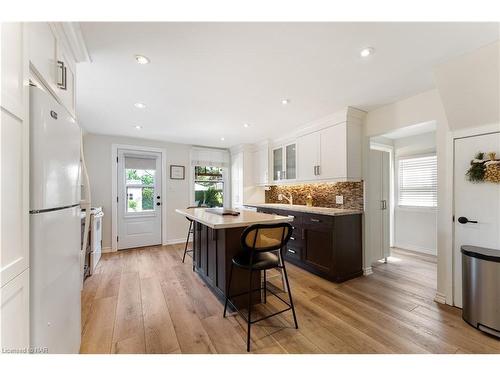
{"type": "Point", "coordinates": [177, 172]}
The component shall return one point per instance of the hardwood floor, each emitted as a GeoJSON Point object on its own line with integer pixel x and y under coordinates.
{"type": "Point", "coordinates": [146, 301]}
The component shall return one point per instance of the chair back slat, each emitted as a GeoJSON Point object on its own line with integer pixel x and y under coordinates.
{"type": "Point", "coordinates": [266, 237]}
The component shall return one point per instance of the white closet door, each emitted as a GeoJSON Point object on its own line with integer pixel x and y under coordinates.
{"type": "Point", "coordinates": [378, 204]}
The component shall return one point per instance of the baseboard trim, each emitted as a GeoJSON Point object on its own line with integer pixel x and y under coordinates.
{"type": "Point", "coordinates": [417, 249]}
{"type": "Point", "coordinates": [174, 241]}
{"type": "Point", "coordinates": [440, 298]}
{"type": "Point", "coordinates": [107, 250]}
{"type": "Point", "coordinates": [367, 271]}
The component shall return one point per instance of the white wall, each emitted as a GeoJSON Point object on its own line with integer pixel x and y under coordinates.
{"type": "Point", "coordinates": [470, 87]}
{"type": "Point", "coordinates": [97, 149]}
{"type": "Point", "coordinates": [414, 228]}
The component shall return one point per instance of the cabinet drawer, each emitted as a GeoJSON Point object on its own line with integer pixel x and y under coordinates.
{"type": "Point", "coordinates": [293, 252]}
{"type": "Point", "coordinates": [318, 222]}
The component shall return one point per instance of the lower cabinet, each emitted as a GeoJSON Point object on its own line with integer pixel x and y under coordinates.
{"type": "Point", "coordinates": [14, 297]}
{"type": "Point", "coordinates": [328, 246]}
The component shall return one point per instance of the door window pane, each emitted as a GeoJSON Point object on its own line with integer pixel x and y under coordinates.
{"type": "Point", "coordinates": [140, 189]}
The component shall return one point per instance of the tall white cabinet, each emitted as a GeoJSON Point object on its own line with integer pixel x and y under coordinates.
{"type": "Point", "coordinates": [14, 195]}
{"type": "Point", "coordinates": [40, 52]}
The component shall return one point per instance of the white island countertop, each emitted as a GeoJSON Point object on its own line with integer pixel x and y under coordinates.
{"type": "Point", "coordinates": [244, 219]}
{"type": "Point", "coordinates": [311, 210]}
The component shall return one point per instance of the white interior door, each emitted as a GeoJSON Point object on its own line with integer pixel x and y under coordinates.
{"type": "Point", "coordinates": [378, 204]}
{"type": "Point", "coordinates": [475, 201]}
{"type": "Point", "coordinates": [139, 199]}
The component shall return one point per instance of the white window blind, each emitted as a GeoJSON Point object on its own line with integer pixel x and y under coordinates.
{"type": "Point", "coordinates": [418, 181]}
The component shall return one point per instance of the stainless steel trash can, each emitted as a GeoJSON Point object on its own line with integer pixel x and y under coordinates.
{"type": "Point", "coordinates": [481, 288]}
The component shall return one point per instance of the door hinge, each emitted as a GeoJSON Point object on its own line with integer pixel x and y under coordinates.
{"type": "Point", "coordinates": [453, 218]}
{"type": "Point", "coordinates": [116, 238]}
{"type": "Point", "coordinates": [117, 159]}
{"type": "Point", "coordinates": [116, 199]}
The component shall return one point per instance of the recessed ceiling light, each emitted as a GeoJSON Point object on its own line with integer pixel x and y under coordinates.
{"type": "Point", "coordinates": [138, 127]}
{"type": "Point", "coordinates": [222, 138]}
{"type": "Point", "coordinates": [285, 101]}
{"type": "Point", "coordinates": [140, 105]}
{"type": "Point", "coordinates": [246, 125]}
{"type": "Point", "coordinates": [141, 59]}
{"type": "Point", "coordinates": [365, 52]}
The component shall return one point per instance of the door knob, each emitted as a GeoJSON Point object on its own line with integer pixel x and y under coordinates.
{"type": "Point", "coordinates": [464, 220]}
{"type": "Point", "coordinates": [157, 197]}
{"type": "Point", "coordinates": [158, 203]}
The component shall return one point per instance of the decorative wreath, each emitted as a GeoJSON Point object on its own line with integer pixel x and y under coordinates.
{"type": "Point", "coordinates": [482, 169]}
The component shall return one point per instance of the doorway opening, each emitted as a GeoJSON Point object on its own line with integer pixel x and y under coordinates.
{"type": "Point", "coordinates": [402, 195]}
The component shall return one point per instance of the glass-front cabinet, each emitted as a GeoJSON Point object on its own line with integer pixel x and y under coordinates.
{"type": "Point", "coordinates": [285, 162]}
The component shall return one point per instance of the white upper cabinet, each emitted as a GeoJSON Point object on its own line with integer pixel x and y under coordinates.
{"type": "Point", "coordinates": [333, 152]}
{"type": "Point", "coordinates": [65, 80]}
{"type": "Point", "coordinates": [284, 161]}
{"type": "Point", "coordinates": [309, 158]}
{"type": "Point", "coordinates": [51, 62]}
{"type": "Point", "coordinates": [42, 52]}
{"type": "Point", "coordinates": [261, 164]}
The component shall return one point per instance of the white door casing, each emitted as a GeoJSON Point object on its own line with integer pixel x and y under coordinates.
{"type": "Point", "coordinates": [141, 228]}
{"type": "Point", "coordinates": [378, 204]}
{"type": "Point", "coordinates": [476, 201]}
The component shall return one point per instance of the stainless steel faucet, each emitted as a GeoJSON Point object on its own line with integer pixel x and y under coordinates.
{"type": "Point", "coordinates": [289, 200]}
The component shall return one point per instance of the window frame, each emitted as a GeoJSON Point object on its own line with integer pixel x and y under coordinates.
{"type": "Point", "coordinates": [222, 181]}
{"type": "Point", "coordinates": [400, 206]}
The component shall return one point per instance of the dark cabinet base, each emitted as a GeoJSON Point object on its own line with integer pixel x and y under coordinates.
{"type": "Point", "coordinates": [213, 253]}
{"type": "Point", "coordinates": [328, 246]}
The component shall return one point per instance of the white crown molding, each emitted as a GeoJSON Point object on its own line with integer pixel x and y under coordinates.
{"type": "Point", "coordinates": [70, 34]}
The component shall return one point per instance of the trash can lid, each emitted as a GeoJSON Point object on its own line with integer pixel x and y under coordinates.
{"type": "Point", "coordinates": [493, 255]}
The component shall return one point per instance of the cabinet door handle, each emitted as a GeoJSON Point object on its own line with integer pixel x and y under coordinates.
{"type": "Point", "coordinates": [291, 251]}
{"type": "Point", "coordinates": [316, 220]}
{"type": "Point", "coordinates": [292, 238]}
{"type": "Point", "coordinates": [319, 169]}
{"type": "Point", "coordinates": [63, 84]}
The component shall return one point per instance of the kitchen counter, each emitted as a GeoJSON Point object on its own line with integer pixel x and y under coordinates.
{"type": "Point", "coordinates": [312, 210]}
{"type": "Point", "coordinates": [244, 219]}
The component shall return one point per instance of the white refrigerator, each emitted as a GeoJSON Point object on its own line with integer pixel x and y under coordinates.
{"type": "Point", "coordinates": [54, 226]}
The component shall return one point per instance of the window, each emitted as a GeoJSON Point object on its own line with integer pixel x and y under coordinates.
{"type": "Point", "coordinates": [208, 186]}
{"type": "Point", "coordinates": [417, 181]}
{"type": "Point", "coordinates": [140, 189]}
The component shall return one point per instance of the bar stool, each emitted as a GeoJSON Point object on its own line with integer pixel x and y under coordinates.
{"type": "Point", "coordinates": [259, 244]}
{"type": "Point", "coordinates": [190, 232]}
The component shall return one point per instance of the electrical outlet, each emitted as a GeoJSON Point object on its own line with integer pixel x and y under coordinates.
{"type": "Point", "coordinates": [339, 199]}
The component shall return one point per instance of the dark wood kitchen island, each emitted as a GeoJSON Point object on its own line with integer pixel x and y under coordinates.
{"type": "Point", "coordinates": [216, 240]}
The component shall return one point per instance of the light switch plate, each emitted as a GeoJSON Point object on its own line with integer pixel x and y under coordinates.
{"type": "Point", "coordinates": [339, 199]}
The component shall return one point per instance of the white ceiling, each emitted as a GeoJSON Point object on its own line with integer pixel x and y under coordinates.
{"type": "Point", "coordinates": [206, 80]}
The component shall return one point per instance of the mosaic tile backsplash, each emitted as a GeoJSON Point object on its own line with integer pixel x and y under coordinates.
{"type": "Point", "coordinates": [323, 195]}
